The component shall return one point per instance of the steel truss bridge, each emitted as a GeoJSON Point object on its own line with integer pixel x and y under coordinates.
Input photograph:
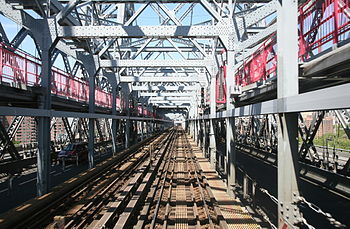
{"type": "Point", "coordinates": [239, 80]}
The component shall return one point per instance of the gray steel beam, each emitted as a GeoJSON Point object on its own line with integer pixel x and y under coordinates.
{"type": "Point", "coordinates": [166, 94]}
{"type": "Point", "coordinates": [33, 112]}
{"type": "Point", "coordinates": [64, 12]}
{"type": "Point", "coordinates": [172, 106]}
{"type": "Point", "coordinates": [44, 136]}
{"type": "Point", "coordinates": [177, 98]}
{"type": "Point", "coordinates": [71, 32]}
{"type": "Point", "coordinates": [129, 79]}
{"type": "Point", "coordinates": [114, 121]}
{"type": "Point", "coordinates": [287, 85]}
{"type": "Point", "coordinates": [212, 139]}
{"type": "Point", "coordinates": [172, 103]}
{"type": "Point", "coordinates": [258, 15]}
{"type": "Point", "coordinates": [91, 137]}
{"type": "Point", "coordinates": [155, 63]}
{"type": "Point", "coordinates": [230, 157]}
{"type": "Point", "coordinates": [164, 88]}
{"type": "Point", "coordinates": [331, 98]}
{"type": "Point", "coordinates": [164, 49]}
{"type": "Point", "coordinates": [3, 34]}
{"type": "Point", "coordinates": [257, 38]}
{"type": "Point", "coordinates": [126, 93]}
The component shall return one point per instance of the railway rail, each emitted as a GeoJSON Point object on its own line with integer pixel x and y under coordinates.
{"type": "Point", "coordinates": [158, 183]}
{"type": "Point", "coordinates": [76, 201]}
{"type": "Point", "coordinates": [181, 197]}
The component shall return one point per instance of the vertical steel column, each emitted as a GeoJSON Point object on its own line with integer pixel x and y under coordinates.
{"type": "Point", "coordinates": [114, 121]}
{"type": "Point", "coordinates": [212, 141]}
{"type": "Point", "coordinates": [287, 85]}
{"type": "Point", "coordinates": [142, 122]}
{"type": "Point", "coordinates": [44, 136]}
{"type": "Point", "coordinates": [90, 65]}
{"type": "Point", "coordinates": [91, 133]}
{"type": "Point", "coordinates": [188, 126]}
{"type": "Point", "coordinates": [148, 127]}
{"type": "Point", "coordinates": [204, 136]}
{"type": "Point", "coordinates": [198, 131]}
{"type": "Point", "coordinates": [192, 128]}
{"type": "Point", "coordinates": [127, 121]}
{"type": "Point", "coordinates": [195, 136]}
{"type": "Point", "coordinates": [153, 122]}
{"type": "Point", "coordinates": [230, 157]}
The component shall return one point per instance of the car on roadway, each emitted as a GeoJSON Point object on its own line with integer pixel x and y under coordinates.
{"type": "Point", "coordinates": [75, 152]}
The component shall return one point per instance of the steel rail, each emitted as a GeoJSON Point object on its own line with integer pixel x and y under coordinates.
{"type": "Point", "coordinates": [135, 193]}
{"type": "Point", "coordinates": [156, 210]}
{"type": "Point", "coordinates": [203, 181]}
{"type": "Point", "coordinates": [37, 211]}
{"type": "Point", "coordinates": [145, 212]}
{"type": "Point", "coordinates": [181, 185]}
{"type": "Point", "coordinates": [120, 192]}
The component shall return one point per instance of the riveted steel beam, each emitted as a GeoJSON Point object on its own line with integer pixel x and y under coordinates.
{"type": "Point", "coordinates": [155, 63]}
{"type": "Point", "coordinates": [70, 32]}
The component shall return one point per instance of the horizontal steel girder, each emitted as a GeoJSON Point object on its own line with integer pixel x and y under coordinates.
{"type": "Point", "coordinates": [33, 112]}
{"type": "Point", "coordinates": [155, 63]}
{"type": "Point", "coordinates": [164, 88]}
{"type": "Point", "coordinates": [174, 104]}
{"type": "Point", "coordinates": [171, 99]}
{"type": "Point", "coordinates": [331, 98]}
{"type": "Point", "coordinates": [130, 79]}
{"type": "Point", "coordinates": [162, 49]}
{"type": "Point", "coordinates": [166, 94]}
{"type": "Point", "coordinates": [142, 31]}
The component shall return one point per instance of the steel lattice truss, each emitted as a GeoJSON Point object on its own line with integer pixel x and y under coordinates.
{"type": "Point", "coordinates": [175, 56]}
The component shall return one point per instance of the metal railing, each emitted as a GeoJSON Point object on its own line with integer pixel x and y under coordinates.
{"type": "Point", "coordinates": [322, 24]}
{"type": "Point", "coordinates": [21, 70]}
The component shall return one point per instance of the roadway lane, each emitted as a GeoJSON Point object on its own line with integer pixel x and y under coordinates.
{"type": "Point", "coordinates": [24, 186]}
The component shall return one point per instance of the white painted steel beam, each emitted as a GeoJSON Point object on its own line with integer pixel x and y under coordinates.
{"type": "Point", "coordinates": [165, 88]}
{"type": "Point", "coordinates": [155, 63]}
{"type": "Point", "coordinates": [172, 106]}
{"type": "Point", "coordinates": [163, 94]}
{"type": "Point", "coordinates": [164, 49]}
{"type": "Point", "coordinates": [159, 98]}
{"type": "Point", "coordinates": [142, 31]}
{"type": "Point", "coordinates": [331, 98]}
{"type": "Point", "coordinates": [129, 79]}
{"type": "Point", "coordinates": [34, 112]}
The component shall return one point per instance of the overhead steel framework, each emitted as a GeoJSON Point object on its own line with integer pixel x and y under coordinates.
{"type": "Point", "coordinates": [246, 58]}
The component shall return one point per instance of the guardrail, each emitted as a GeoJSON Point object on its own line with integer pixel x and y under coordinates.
{"type": "Point", "coordinates": [322, 24]}
{"type": "Point", "coordinates": [21, 70]}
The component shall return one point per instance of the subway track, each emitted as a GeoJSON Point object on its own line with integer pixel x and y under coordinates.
{"type": "Point", "coordinates": [77, 202]}
{"type": "Point", "coordinates": [180, 197]}
{"type": "Point", "coordinates": [157, 184]}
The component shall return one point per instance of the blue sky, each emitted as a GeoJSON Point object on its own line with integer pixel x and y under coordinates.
{"type": "Point", "coordinates": [148, 17]}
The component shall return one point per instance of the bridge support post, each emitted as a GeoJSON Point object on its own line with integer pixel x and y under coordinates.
{"type": "Point", "coordinates": [91, 131]}
{"type": "Point", "coordinates": [44, 136]}
{"type": "Point", "coordinates": [142, 122]}
{"type": "Point", "coordinates": [127, 121]}
{"type": "Point", "coordinates": [204, 136]}
{"type": "Point", "coordinates": [198, 131]}
{"type": "Point", "coordinates": [195, 131]}
{"type": "Point", "coordinates": [287, 85]}
{"type": "Point", "coordinates": [230, 157]}
{"type": "Point", "coordinates": [212, 141]}
{"type": "Point", "coordinates": [91, 67]}
{"type": "Point", "coordinates": [114, 121]}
